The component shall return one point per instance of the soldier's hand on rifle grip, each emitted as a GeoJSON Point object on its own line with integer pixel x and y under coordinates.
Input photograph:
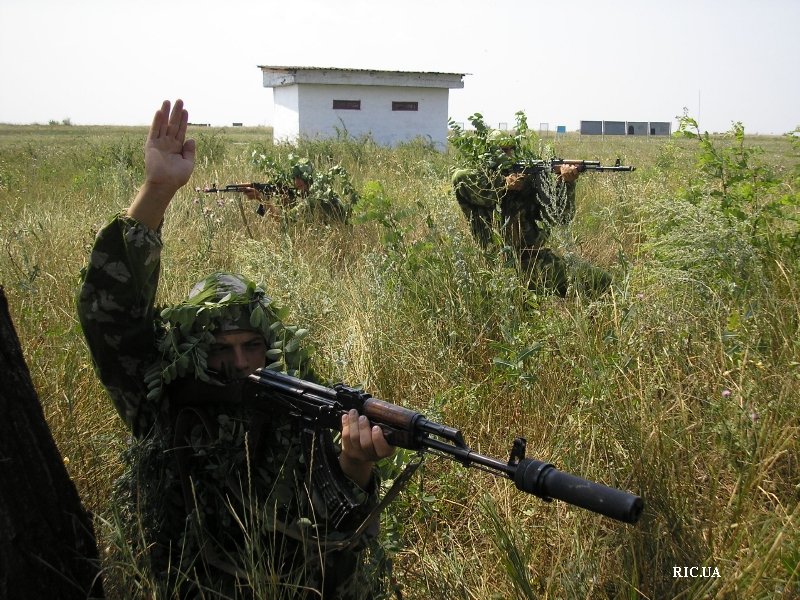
{"type": "Point", "coordinates": [362, 445]}
{"type": "Point", "coordinates": [252, 193]}
{"type": "Point", "coordinates": [568, 173]}
{"type": "Point", "coordinates": [515, 181]}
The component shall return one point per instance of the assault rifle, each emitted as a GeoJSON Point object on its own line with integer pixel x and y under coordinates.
{"type": "Point", "coordinates": [322, 407]}
{"type": "Point", "coordinates": [537, 166]}
{"type": "Point", "coordinates": [268, 189]}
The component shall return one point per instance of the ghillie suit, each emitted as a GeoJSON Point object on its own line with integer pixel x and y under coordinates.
{"type": "Point", "coordinates": [518, 211]}
{"type": "Point", "coordinates": [225, 494]}
{"type": "Point", "coordinates": [326, 195]}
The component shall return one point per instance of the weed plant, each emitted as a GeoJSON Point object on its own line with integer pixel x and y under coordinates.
{"type": "Point", "coordinates": [681, 385]}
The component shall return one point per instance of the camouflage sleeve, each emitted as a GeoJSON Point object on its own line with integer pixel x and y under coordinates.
{"type": "Point", "coordinates": [476, 188]}
{"type": "Point", "coordinates": [115, 308]}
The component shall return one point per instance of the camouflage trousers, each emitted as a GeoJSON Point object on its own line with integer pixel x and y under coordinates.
{"type": "Point", "coordinates": [544, 270]}
{"type": "Point", "coordinates": [547, 271]}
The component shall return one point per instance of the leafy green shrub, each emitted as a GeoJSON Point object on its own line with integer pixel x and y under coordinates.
{"type": "Point", "coordinates": [745, 190]}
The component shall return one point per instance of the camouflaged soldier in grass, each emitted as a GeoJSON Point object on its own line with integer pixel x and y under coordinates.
{"type": "Point", "coordinates": [522, 208]}
{"type": "Point", "coordinates": [327, 196]}
{"type": "Point", "coordinates": [218, 489]}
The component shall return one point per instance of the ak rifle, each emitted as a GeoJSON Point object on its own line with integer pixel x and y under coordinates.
{"type": "Point", "coordinates": [322, 407]}
{"type": "Point", "coordinates": [538, 166]}
{"type": "Point", "coordinates": [268, 189]}
{"type": "Point", "coordinates": [265, 189]}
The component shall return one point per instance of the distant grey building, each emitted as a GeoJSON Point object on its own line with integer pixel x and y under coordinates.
{"type": "Point", "coordinates": [637, 128]}
{"type": "Point", "coordinates": [642, 128]}
{"type": "Point", "coordinates": [591, 128]}
{"type": "Point", "coordinates": [613, 127]}
{"type": "Point", "coordinates": [660, 128]}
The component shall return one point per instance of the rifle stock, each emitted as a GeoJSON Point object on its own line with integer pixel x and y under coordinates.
{"type": "Point", "coordinates": [320, 406]}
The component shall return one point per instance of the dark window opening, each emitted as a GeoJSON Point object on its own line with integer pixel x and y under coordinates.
{"type": "Point", "coordinates": [405, 105]}
{"type": "Point", "coordinates": [347, 104]}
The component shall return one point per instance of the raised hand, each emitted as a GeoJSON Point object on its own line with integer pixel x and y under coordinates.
{"type": "Point", "coordinates": [168, 155]}
{"type": "Point", "coordinates": [168, 164]}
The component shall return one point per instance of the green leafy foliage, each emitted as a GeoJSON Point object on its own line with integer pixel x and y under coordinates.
{"type": "Point", "coordinates": [484, 147]}
{"type": "Point", "coordinates": [745, 190]}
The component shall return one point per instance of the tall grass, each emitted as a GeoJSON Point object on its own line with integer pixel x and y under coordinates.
{"type": "Point", "coordinates": [681, 385]}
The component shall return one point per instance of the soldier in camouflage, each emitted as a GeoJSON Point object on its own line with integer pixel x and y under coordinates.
{"type": "Point", "coordinates": [518, 210]}
{"type": "Point", "coordinates": [218, 488]}
{"type": "Point", "coordinates": [327, 196]}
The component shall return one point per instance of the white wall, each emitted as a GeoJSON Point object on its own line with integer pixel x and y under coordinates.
{"type": "Point", "coordinates": [286, 121]}
{"type": "Point", "coordinates": [318, 119]}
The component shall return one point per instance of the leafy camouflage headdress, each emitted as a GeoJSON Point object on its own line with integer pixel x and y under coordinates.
{"type": "Point", "coordinates": [501, 138]}
{"type": "Point", "coordinates": [219, 303]}
{"type": "Point", "coordinates": [302, 168]}
{"type": "Point", "coordinates": [483, 147]}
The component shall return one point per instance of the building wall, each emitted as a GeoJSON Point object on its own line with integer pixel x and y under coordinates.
{"type": "Point", "coordinates": [591, 128]}
{"type": "Point", "coordinates": [660, 128]}
{"type": "Point", "coordinates": [637, 128]}
{"type": "Point", "coordinates": [375, 117]}
{"type": "Point", "coordinates": [613, 127]}
{"type": "Point", "coordinates": [286, 120]}
{"type": "Point", "coordinates": [307, 111]}
{"type": "Point", "coordinates": [626, 128]}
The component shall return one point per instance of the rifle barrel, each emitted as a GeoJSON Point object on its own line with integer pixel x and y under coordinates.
{"type": "Point", "coordinates": [544, 480]}
{"type": "Point", "coordinates": [407, 428]}
{"type": "Point", "coordinates": [583, 165]}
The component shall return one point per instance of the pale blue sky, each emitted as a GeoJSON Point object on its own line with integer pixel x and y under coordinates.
{"type": "Point", "coordinates": [107, 62]}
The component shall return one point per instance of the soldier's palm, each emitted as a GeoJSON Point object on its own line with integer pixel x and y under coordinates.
{"type": "Point", "coordinates": [166, 164]}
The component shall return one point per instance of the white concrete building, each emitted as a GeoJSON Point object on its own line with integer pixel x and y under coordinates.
{"type": "Point", "coordinates": [389, 106]}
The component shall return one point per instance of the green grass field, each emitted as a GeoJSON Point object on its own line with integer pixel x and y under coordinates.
{"type": "Point", "coordinates": [682, 385]}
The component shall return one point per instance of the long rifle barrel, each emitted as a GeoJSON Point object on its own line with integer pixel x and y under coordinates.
{"type": "Point", "coordinates": [321, 406]}
{"type": "Point", "coordinates": [582, 165]}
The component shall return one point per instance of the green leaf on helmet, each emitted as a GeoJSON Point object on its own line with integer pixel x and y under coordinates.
{"type": "Point", "coordinates": [257, 318]}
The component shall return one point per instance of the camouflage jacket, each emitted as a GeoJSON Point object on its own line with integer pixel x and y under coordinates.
{"type": "Point", "coordinates": [223, 491]}
{"type": "Point", "coordinates": [525, 213]}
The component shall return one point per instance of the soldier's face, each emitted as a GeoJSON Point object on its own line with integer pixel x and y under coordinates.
{"type": "Point", "coordinates": [237, 354]}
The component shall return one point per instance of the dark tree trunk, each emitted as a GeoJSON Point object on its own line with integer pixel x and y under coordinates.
{"type": "Point", "coordinates": [47, 543]}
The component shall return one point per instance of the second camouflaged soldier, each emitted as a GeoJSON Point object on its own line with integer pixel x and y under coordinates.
{"type": "Point", "coordinates": [518, 210]}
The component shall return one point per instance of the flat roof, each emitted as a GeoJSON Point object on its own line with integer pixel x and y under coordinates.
{"type": "Point", "coordinates": [345, 69]}
{"type": "Point", "coordinates": [283, 75]}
